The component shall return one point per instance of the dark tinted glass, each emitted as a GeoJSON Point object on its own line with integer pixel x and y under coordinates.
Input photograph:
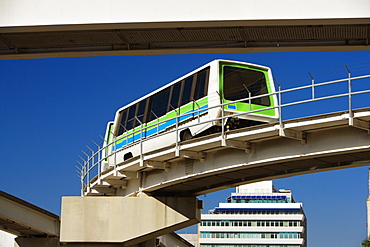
{"type": "Point", "coordinates": [131, 117]}
{"type": "Point", "coordinates": [238, 82]}
{"type": "Point", "coordinates": [186, 92]}
{"type": "Point", "coordinates": [175, 96]}
{"type": "Point", "coordinates": [123, 122]}
{"type": "Point", "coordinates": [140, 112]}
{"type": "Point", "coordinates": [159, 104]}
{"type": "Point", "coordinates": [201, 89]}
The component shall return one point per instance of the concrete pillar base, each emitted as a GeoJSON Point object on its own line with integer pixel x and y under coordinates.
{"type": "Point", "coordinates": [124, 220]}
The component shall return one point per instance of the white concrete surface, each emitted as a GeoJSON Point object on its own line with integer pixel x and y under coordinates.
{"type": "Point", "coordinates": [6, 239]}
{"type": "Point", "coordinates": [128, 220]}
{"type": "Point", "coordinates": [43, 12]}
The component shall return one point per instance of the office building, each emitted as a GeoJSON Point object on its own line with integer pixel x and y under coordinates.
{"type": "Point", "coordinates": [257, 215]}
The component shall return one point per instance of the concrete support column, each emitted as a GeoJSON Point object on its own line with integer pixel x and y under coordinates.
{"type": "Point", "coordinates": [115, 220]}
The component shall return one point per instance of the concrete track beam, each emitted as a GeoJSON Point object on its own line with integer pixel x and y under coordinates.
{"type": "Point", "coordinates": [25, 219]}
{"type": "Point", "coordinates": [68, 28]}
{"type": "Point", "coordinates": [112, 221]}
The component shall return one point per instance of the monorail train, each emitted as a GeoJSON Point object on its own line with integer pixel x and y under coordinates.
{"type": "Point", "coordinates": [194, 105]}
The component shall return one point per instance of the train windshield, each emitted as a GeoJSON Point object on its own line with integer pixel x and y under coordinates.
{"type": "Point", "coordinates": [239, 82]}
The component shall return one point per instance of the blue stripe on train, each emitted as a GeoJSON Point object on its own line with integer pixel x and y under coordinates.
{"type": "Point", "coordinates": [154, 130]}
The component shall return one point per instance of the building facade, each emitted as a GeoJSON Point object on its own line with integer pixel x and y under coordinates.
{"type": "Point", "coordinates": [257, 215]}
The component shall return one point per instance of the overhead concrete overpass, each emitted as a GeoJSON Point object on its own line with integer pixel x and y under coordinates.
{"type": "Point", "coordinates": [41, 29]}
{"type": "Point", "coordinates": [22, 218]}
{"type": "Point", "coordinates": [32, 225]}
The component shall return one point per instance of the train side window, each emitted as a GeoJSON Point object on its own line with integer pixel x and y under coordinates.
{"type": "Point", "coordinates": [175, 96]}
{"type": "Point", "coordinates": [202, 85]}
{"type": "Point", "coordinates": [131, 117]}
{"type": "Point", "coordinates": [186, 91]}
{"type": "Point", "coordinates": [140, 113]}
{"type": "Point", "coordinates": [158, 104]}
{"type": "Point", "coordinates": [122, 122]}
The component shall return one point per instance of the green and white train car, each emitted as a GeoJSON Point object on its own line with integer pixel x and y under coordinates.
{"type": "Point", "coordinates": [243, 93]}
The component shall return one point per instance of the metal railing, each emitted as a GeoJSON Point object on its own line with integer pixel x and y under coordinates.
{"type": "Point", "coordinates": [90, 166]}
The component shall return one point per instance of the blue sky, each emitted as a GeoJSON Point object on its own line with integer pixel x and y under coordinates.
{"type": "Point", "coordinates": [50, 109]}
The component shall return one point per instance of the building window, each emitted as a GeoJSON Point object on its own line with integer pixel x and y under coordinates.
{"type": "Point", "coordinates": [257, 235]}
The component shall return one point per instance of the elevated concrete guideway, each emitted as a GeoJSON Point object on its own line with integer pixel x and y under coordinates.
{"type": "Point", "coordinates": [319, 143]}
{"type": "Point", "coordinates": [22, 218]}
{"type": "Point", "coordinates": [33, 226]}
{"type": "Point", "coordinates": [30, 29]}
{"type": "Point", "coordinates": [207, 164]}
